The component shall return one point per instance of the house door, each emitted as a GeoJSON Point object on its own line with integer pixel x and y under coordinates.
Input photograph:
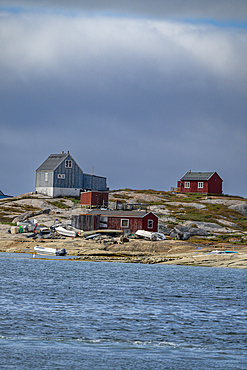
{"type": "Point", "coordinates": [103, 222]}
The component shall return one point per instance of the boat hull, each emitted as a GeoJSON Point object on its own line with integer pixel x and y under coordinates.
{"type": "Point", "coordinates": [62, 231]}
{"type": "Point", "coordinates": [50, 251]}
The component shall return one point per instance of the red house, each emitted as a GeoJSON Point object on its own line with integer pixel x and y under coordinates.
{"type": "Point", "coordinates": [128, 221]}
{"type": "Point", "coordinates": [94, 198]}
{"type": "Point", "coordinates": [200, 182]}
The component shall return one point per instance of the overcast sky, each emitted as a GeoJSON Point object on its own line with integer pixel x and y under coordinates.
{"type": "Point", "coordinates": [142, 91]}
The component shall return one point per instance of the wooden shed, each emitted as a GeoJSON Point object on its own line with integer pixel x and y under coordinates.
{"type": "Point", "coordinates": [201, 182]}
{"type": "Point", "coordinates": [94, 198]}
{"type": "Point", "coordinates": [86, 222]}
{"type": "Point", "coordinates": [128, 221]}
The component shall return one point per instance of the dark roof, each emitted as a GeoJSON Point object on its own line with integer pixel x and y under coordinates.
{"type": "Point", "coordinates": [200, 176]}
{"type": "Point", "coordinates": [51, 163]}
{"type": "Point", "coordinates": [1, 193]}
{"type": "Point", "coordinates": [116, 213]}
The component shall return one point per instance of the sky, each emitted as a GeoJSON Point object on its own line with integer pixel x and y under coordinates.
{"type": "Point", "coordinates": [138, 91]}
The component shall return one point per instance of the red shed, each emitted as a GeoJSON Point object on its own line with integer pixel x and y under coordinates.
{"type": "Point", "coordinates": [128, 221]}
{"type": "Point", "coordinates": [94, 198]}
{"type": "Point", "coordinates": [201, 182]}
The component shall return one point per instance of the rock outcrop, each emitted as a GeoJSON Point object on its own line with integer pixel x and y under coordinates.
{"type": "Point", "coordinates": [241, 208]}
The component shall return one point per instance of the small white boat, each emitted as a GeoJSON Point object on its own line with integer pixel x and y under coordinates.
{"type": "Point", "coordinates": [66, 231]}
{"type": "Point", "coordinates": [150, 235]}
{"type": "Point", "coordinates": [50, 251]}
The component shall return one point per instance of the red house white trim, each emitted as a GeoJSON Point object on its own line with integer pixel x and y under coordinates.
{"type": "Point", "coordinates": [200, 182]}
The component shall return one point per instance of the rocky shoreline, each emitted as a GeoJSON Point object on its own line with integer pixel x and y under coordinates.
{"type": "Point", "coordinates": [215, 225]}
{"type": "Point", "coordinates": [173, 252]}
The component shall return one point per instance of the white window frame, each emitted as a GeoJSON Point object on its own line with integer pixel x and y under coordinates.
{"type": "Point", "coordinates": [68, 163]}
{"type": "Point", "coordinates": [152, 223]}
{"type": "Point", "coordinates": [46, 176]}
{"type": "Point", "coordinates": [61, 176]}
{"type": "Point", "coordinates": [200, 185]}
{"type": "Point", "coordinates": [187, 185]}
{"type": "Point", "coordinates": [122, 222]}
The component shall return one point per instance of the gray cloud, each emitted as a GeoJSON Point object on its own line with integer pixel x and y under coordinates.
{"type": "Point", "coordinates": [142, 101]}
{"type": "Point", "coordinates": [210, 9]}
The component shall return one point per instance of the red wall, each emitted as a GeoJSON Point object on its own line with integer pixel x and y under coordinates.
{"type": "Point", "coordinates": [215, 185]}
{"type": "Point", "coordinates": [86, 198]}
{"type": "Point", "coordinates": [193, 187]}
{"type": "Point", "coordinates": [212, 186]}
{"type": "Point", "coordinates": [150, 216]}
{"type": "Point", "coordinates": [94, 198]}
{"type": "Point", "coordinates": [135, 223]}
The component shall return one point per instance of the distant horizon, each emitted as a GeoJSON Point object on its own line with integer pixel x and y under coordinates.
{"type": "Point", "coordinates": [139, 189]}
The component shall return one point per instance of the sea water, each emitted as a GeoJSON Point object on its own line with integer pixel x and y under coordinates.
{"type": "Point", "coordinates": [65, 314]}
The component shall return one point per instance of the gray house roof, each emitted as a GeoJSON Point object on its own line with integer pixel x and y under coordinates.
{"type": "Point", "coordinates": [1, 193]}
{"type": "Point", "coordinates": [120, 213]}
{"type": "Point", "coordinates": [197, 176]}
{"type": "Point", "coordinates": [53, 161]}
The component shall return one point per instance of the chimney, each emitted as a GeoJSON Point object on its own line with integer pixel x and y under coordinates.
{"type": "Point", "coordinates": [62, 152]}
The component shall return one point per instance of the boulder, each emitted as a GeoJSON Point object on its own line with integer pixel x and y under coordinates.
{"type": "Point", "coordinates": [173, 234]}
{"type": "Point", "coordinates": [178, 234]}
{"type": "Point", "coordinates": [25, 216]}
{"type": "Point", "coordinates": [192, 230]}
{"type": "Point", "coordinates": [210, 227]}
{"type": "Point", "coordinates": [241, 208]}
{"type": "Point", "coordinates": [186, 236]}
{"type": "Point", "coordinates": [165, 230]}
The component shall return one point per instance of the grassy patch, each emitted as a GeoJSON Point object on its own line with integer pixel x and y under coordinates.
{"type": "Point", "coordinates": [5, 219]}
{"type": "Point", "coordinates": [195, 216]}
{"type": "Point", "coordinates": [74, 200]}
{"type": "Point", "coordinates": [224, 238]}
{"type": "Point", "coordinates": [211, 214]}
{"type": "Point", "coordinates": [242, 222]}
{"type": "Point", "coordinates": [160, 203]}
{"type": "Point", "coordinates": [193, 197]}
{"type": "Point", "coordinates": [120, 196]}
{"type": "Point", "coordinates": [59, 204]}
{"type": "Point", "coordinates": [19, 208]}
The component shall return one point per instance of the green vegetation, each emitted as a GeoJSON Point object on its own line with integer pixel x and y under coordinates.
{"type": "Point", "coordinates": [5, 219]}
{"type": "Point", "coordinates": [210, 214]}
{"type": "Point", "coordinates": [74, 200]}
{"type": "Point", "coordinates": [120, 196]}
{"type": "Point", "coordinates": [242, 222]}
{"type": "Point", "coordinates": [59, 204]}
{"type": "Point", "coordinates": [194, 215]}
{"type": "Point", "coordinates": [226, 238]}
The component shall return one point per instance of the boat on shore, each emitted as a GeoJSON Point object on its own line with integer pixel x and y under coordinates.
{"type": "Point", "coordinates": [49, 251]}
{"type": "Point", "coordinates": [66, 231]}
{"type": "Point", "coordinates": [150, 235]}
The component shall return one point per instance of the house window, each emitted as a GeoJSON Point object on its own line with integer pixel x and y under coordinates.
{"type": "Point", "coordinates": [68, 163]}
{"type": "Point", "coordinates": [150, 224]}
{"type": "Point", "coordinates": [61, 176]}
{"type": "Point", "coordinates": [46, 176]}
{"type": "Point", "coordinates": [187, 185]}
{"type": "Point", "coordinates": [200, 185]}
{"type": "Point", "coordinates": [124, 223]}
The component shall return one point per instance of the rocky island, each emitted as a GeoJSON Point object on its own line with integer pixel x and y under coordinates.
{"type": "Point", "coordinates": [216, 227]}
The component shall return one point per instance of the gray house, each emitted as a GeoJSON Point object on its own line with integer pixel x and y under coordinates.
{"type": "Point", "coordinates": [60, 175]}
